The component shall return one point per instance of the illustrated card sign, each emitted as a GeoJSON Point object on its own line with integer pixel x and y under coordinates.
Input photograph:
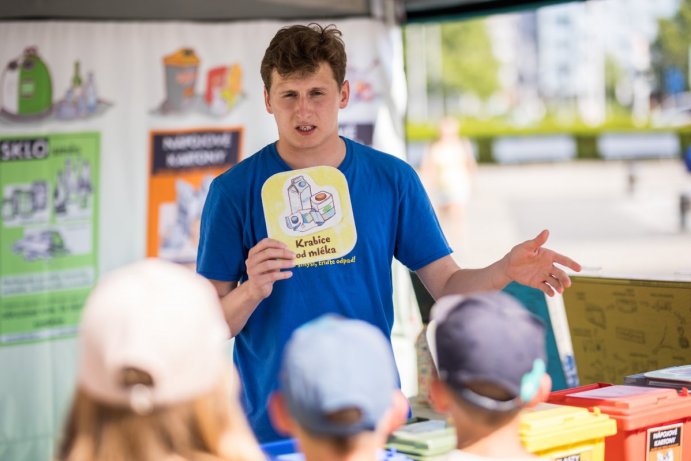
{"type": "Point", "coordinates": [310, 211]}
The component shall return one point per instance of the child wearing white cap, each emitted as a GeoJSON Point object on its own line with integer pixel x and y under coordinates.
{"type": "Point", "coordinates": [153, 382]}
{"type": "Point", "coordinates": [338, 392]}
{"type": "Point", "coordinates": [491, 357]}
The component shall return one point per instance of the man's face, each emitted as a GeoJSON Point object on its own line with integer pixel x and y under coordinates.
{"type": "Point", "coordinates": [306, 109]}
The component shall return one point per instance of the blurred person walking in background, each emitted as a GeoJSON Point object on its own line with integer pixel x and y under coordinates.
{"type": "Point", "coordinates": [447, 171]}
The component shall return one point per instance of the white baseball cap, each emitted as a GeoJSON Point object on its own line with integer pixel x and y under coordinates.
{"type": "Point", "coordinates": [157, 317]}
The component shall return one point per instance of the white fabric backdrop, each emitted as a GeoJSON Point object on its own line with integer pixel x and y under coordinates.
{"type": "Point", "coordinates": [126, 59]}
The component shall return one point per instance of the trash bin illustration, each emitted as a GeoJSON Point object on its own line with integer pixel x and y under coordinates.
{"type": "Point", "coordinates": [181, 76]}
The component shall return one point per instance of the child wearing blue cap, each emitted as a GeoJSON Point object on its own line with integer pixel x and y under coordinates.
{"type": "Point", "coordinates": [490, 356]}
{"type": "Point", "coordinates": [338, 391]}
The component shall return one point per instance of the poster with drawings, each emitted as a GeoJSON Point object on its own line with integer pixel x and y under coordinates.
{"type": "Point", "coordinates": [183, 165]}
{"type": "Point", "coordinates": [624, 326]}
{"type": "Point", "coordinates": [48, 233]}
{"type": "Point", "coordinates": [310, 211]}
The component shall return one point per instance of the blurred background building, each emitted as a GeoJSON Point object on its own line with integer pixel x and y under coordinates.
{"type": "Point", "coordinates": [585, 61]}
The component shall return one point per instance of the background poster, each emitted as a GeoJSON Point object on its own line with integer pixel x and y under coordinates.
{"type": "Point", "coordinates": [48, 236]}
{"type": "Point", "coordinates": [183, 164]}
{"type": "Point", "coordinates": [625, 326]}
{"type": "Point", "coordinates": [129, 82]}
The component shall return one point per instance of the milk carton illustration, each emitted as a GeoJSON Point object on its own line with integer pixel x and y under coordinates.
{"type": "Point", "coordinates": [310, 211]}
{"type": "Point", "coordinates": [299, 194]}
{"type": "Point", "coordinates": [307, 210]}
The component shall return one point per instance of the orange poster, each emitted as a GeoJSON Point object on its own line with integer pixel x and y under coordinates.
{"type": "Point", "coordinates": [664, 443]}
{"type": "Point", "coordinates": [183, 164]}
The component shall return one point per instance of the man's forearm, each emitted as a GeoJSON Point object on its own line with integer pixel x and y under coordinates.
{"type": "Point", "coordinates": [238, 306]}
{"type": "Point", "coordinates": [490, 278]}
{"type": "Point", "coordinates": [444, 277]}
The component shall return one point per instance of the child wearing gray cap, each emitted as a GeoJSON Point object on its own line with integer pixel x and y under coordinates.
{"type": "Point", "coordinates": [491, 361]}
{"type": "Point", "coordinates": [338, 393]}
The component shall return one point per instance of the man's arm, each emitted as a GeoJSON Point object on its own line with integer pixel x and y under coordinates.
{"type": "Point", "coordinates": [527, 263]}
{"type": "Point", "coordinates": [264, 263]}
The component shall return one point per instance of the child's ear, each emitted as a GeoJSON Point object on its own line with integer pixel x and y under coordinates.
{"type": "Point", "coordinates": [398, 413]}
{"type": "Point", "coordinates": [543, 391]}
{"type": "Point", "coordinates": [439, 395]}
{"type": "Point", "coordinates": [279, 414]}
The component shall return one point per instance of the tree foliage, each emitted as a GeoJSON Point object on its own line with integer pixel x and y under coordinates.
{"type": "Point", "coordinates": [671, 47]}
{"type": "Point", "coordinates": [468, 63]}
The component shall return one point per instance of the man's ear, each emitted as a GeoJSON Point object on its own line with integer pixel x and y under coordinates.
{"type": "Point", "coordinates": [543, 391]}
{"type": "Point", "coordinates": [267, 101]}
{"type": "Point", "coordinates": [439, 395]}
{"type": "Point", "coordinates": [345, 95]}
{"type": "Point", "coordinates": [279, 414]}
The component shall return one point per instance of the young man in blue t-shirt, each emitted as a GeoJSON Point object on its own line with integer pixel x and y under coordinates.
{"type": "Point", "coordinates": [264, 294]}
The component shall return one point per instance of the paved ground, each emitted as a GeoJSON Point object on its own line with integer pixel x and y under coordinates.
{"type": "Point", "coordinates": [592, 215]}
{"type": "Point", "coordinates": [590, 212]}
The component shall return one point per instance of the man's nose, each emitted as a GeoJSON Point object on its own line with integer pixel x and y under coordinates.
{"type": "Point", "coordinates": [304, 105]}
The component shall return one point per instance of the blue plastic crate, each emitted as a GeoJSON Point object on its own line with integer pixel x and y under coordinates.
{"type": "Point", "coordinates": [286, 450]}
{"type": "Point", "coordinates": [281, 450]}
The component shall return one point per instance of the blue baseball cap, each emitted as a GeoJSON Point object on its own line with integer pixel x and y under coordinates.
{"type": "Point", "coordinates": [331, 364]}
{"type": "Point", "coordinates": [488, 337]}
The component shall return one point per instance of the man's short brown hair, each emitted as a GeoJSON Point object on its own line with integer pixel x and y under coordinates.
{"type": "Point", "coordinates": [299, 50]}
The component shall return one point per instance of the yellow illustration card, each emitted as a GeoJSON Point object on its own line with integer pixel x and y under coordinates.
{"type": "Point", "coordinates": [310, 211]}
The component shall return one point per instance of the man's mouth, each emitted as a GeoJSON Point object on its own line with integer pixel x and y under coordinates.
{"type": "Point", "coordinates": [306, 128]}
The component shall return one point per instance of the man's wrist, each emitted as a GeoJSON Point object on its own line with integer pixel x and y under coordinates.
{"type": "Point", "coordinates": [251, 296]}
{"type": "Point", "coordinates": [500, 273]}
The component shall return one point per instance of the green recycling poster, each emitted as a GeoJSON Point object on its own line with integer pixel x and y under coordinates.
{"type": "Point", "coordinates": [48, 234]}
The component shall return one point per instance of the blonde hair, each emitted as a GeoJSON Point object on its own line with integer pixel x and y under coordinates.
{"type": "Point", "coordinates": [211, 427]}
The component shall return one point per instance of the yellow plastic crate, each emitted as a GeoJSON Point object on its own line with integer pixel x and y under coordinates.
{"type": "Point", "coordinates": [564, 433]}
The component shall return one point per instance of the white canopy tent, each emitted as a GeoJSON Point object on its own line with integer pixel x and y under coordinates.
{"type": "Point", "coordinates": [243, 10]}
{"type": "Point", "coordinates": [117, 54]}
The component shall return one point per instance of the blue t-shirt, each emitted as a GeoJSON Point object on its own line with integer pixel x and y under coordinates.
{"type": "Point", "coordinates": [393, 217]}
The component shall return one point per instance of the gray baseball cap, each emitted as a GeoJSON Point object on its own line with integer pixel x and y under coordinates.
{"type": "Point", "coordinates": [488, 337]}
